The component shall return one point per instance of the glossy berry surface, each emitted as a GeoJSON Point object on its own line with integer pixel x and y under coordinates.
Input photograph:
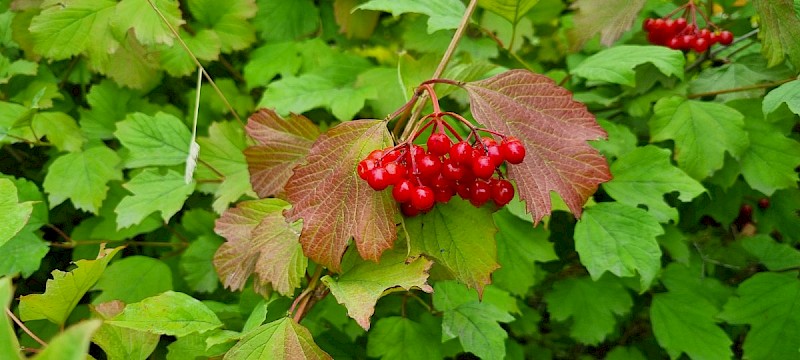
{"type": "Point", "coordinates": [423, 198]}
{"type": "Point", "coordinates": [439, 144]}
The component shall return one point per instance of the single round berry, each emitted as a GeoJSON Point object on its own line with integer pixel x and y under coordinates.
{"type": "Point", "coordinates": [480, 192]}
{"type": "Point", "coordinates": [483, 167]}
{"type": "Point", "coordinates": [700, 44]}
{"type": "Point", "coordinates": [402, 191]}
{"type": "Point", "coordinates": [429, 165]}
{"type": "Point", "coordinates": [408, 209]}
{"type": "Point", "coordinates": [763, 203]}
{"type": "Point", "coordinates": [495, 153]}
{"type": "Point", "coordinates": [675, 43]}
{"type": "Point", "coordinates": [487, 141]}
{"type": "Point", "coordinates": [463, 189]}
{"type": "Point", "coordinates": [462, 153]}
{"type": "Point", "coordinates": [513, 151]}
{"type": "Point", "coordinates": [396, 172]}
{"type": "Point", "coordinates": [379, 179]}
{"type": "Point", "coordinates": [443, 195]}
{"type": "Point", "coordinates": [687, 41]}
{"type": "Point", "coordinates": [647, 25]}
{"type": "Point", "coordinates": [416, 152]}
{"type": "Point", "coordinates": [452, 171]}
{"type": "Point", "coordinates": [680, 23]}
{"type": "Point", "coordinates": [364, 167]}
{"type": "Point", "coordinates": [502, 192]}
{"type": "Point", "coordinates": [746, 211]}
{"type": "Point", "coordinates": [725, 37]}
{"type": "Point", "coordinates": [439, 144]}
{"type": "Point", "coordinates": [439, 182]}
{"type": "Point", "coordinates": [423, 198]}
{"type": "Point", "coordinates": [391, 156]}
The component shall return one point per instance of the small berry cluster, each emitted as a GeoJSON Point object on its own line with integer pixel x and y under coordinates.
{"type": "Point", "coordinates": [422, 178]}
{"type": "Point", "coordinates": [685, 34]}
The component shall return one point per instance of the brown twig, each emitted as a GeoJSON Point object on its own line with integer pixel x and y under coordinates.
{"type": "Point", "coordinates": [25, 328]}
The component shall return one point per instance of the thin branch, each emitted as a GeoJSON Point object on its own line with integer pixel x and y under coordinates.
{"type": "Point", "coordinates": [443, 63]}
{"type": "Point", "coordinates": [74, 244]}
{"type": "Point", "coordinates": [743, 88]}
{"type": "Point", "coordinates": [25, 328]}
{"type": "Point", "coordinates": [196, 61]}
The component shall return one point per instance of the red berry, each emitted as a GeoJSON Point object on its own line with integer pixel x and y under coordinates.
{"type": "Point", "coordinates": [680, 24]}
{"type": "Point", "coordinates": [463, 189]}
{"type": "Point", "coordinates": [763, 203]}
{"type": "Point", "coordinates": [461, 153]}
{"type": "Point", "coordinates": [704, 34]}
{"type": "Point", "coordinates": [391, 156]}
{"type": "Point", "coordinates": [687, 41]}
{"type": "Point", "coordinates": [647, 25]}
{"type": "Point", "coordinates": [423, 198]}
{"type": "Point", "coordinates": [416, 152]}
{"type": "Point", "coordinates": [480, 193]}
{"type": "Point", "coordinates": [396, 172]}
{"type": "Point", "coordinates": [401, 192]}
{"type": "Point", "coordinates": [726, 37]}
{"type": "Point", "coordinates": [443, 195]}
{"type": "Point", "coordinates": [746, 211]}
{"type": "Point", "coordinates": [700, 44]}
{"type": "Point", "coordinates": [439, 144]}
{"type": "Point", "coordinates": [379, 178]}
{"type": "Point", "coordinates": [428, 165]}
{"type": "Point", "coordinates": [364, 167]}
{"type": "Point", "coordinates": [408, 209]}
{"type": "Point", "coordinates": [482, 167]}
{"type": "Point", "coordinates": [452, 171]}
{"type": "Point", "coordinates": [675, 43]}
{"type": "Point", "coordinates": [513, 151]}
{"type": "Point", "coordinates": [375, 155]}
{"type": "Point", "coordinates": [495, 153]}
{"type": "Point", "coordinates": [487, 141]}
{"type": "Point", "coordinates": [502, 192]}
{"type": "Point", "coordinates": [658, 25]}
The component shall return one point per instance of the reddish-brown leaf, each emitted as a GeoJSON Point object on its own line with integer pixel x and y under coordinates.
{"type": "Point", "coordinates": [282, 145]}
{"type": "Point", "coordinates": [334, 203]}
{"type": "Point", "coordinates": [554, 129]}
{"type": "Point", "coordinates": [610, 18]}
{"type": "Point", "coordinates": [262, 243]}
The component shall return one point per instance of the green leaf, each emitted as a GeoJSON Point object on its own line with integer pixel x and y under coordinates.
{"type": "Point", "coordinates": [683, 279]}
{"type": "Point", "coordinates": [82, 177]}
{"type": "Point", "coordinates": [644, 175]}
{"type": "Point", "coordinates": [110, 104]}
{"type": "Point", "coordinates": [519, 246]}
{"type": "Point", "coordinates": [72, 344]}
{"type": "Point", "coordinates": [9, 345]}
{"type": "Point", "coordinates": [443, 14]}
{"type": "Point", "coordinates": [9, 69]}
{"type": "Point", "coordinates": [131, 64]}
{"type": "Point", "coordinates": [13, 215]}
{"type": "Point", "coordinates": [60, 129]}
{"type": "Point", "coordinates": [62, 31]}
{"type": "Point", "coordinates": [768, 163]}
{"type": "Point", "coordinates": [147, 25]}
{"type": "Point", "coordinates": [194, 345]}
{"type": "Point", "coordinates": [458, 236]}
{"type": "Point", "coordinates": [133, 279]}
{"type": "Point", "coordinates": [197, 266]}
{"type": "Point", "coordinates": [280, 339]}
{"type": "Point", "coordinates": [768, 302]}
{"type": "Point", "coordinates": [204, 44]}
{"type": "Point", "coordinates": [474, 323]}
{"type": "Point", "coordinates": [621, 139]}
{"type": "Point", "coordinates": [121, 343]}
{"type": "Point", "coordinates": [170, 313]}
{"type": "Point", "coordinates": [64, 291]}
{"type": "Point", "coordinates": [689, 123]}
{"type": "Point", "coordinates": [229, 19]}
{"type": "Point", "coordinates": [286, 20]}
{"type": "Point", "coordinates": [554, 128]}
{"type": "Point", "coordinates": [262, 243]}
{"type": "Point", "coordinates": [400, 338]}
{"type": "Point", "coordinates": [511, 10]}
{"type": "Point", "coordinates": [223, 151]}
{"type": "Point", "coordinates": [15, 123]}
{"type": "Point", "coordinates": [788, 94]}
{"type": "Point", "coordinates": [617, 65]}
{"type": "Point", "coordinates": [746, 71]}
{"type": "Point", "coordinates": [619, 239]}
{"type": "Point", "coordinates": [782, 214]}
{"type": "Point", "coordinates": [161, 139]}
{"type": "Point", "coordinates": [271, 59]}
{"type": "Point", "coordinates": [608, 18]}
{"type": "Point", "coordinates": [282, 145]}
{"type": "Point", "coordinates": [780, 27]}
{"type": "Point", "coordinates": [152, 191]}
{"type": "Point", "coordinates": [359, 287]}
{"type": "Point", "coordinates": [22, 254]}
{"type": "Point", "coordinates": [775, 256]}
{"type": "Point", "coordinates": [684, 323]}
{"type": "Point", "coordinates": [590, 304]}
{"type": "Point", "coordinates": [625, 353]}
{"type": "Point", "coordinates": [322, 190]}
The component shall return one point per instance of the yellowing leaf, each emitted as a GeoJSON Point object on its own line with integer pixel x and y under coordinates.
{"type": "Point", "coordinates": [121, 343]}
{"type": "Point", "coordinates": [280, 339]}
{"type": "Point", "coordinates": [64, 291]}
{"type": "Point", "coordinates": [609, 18]}
{"type": "Point", "coordinates": [222, 150]}
{"type": "Point", "coordinates": [72, 344]}
{"type": "Point", "coordinates": [360, 287]}
{"type": "Point", "coordinates": [13, 215]}
{"type": "Point", "coordinates": [554, 129]}
{"type": "Point", "coordinates": [262, 243]}
{"type": "Point", "coordinates": [9, 345]}
{"type": "Point", "coordinates": [146, 23]}
{"type": "Point", "coordinates": [334, 203]}
{"type": "Point", "coordinates": [283, 144]}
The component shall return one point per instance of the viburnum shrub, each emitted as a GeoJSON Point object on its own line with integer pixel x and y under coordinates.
{"type": "Point", "coordinates": [683, 32]}
{"type": "Point", "coordinates": [469, 167]}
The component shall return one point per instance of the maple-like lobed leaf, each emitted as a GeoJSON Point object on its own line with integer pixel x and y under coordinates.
{"type": "Point", "coordinates": [280, 339]}
{"type": "Point", "coordinates": [555, 130]}
{"type": "Point", "coordinates": [260, 242]}
{"type": "Point", "coordinates": [334, 203]}
{"type": "Point", "coordinates": [283, 144]}
{"type": "Point", "coordinates": [609, 18]}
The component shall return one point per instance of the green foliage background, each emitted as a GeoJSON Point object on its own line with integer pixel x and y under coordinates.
{"type": "Point", "coordinates": [690, 251]}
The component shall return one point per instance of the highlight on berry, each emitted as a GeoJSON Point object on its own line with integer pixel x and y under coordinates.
{"type": "Point", "coordinates": [684, 32]}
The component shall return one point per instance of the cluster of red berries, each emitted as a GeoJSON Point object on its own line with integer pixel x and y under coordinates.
{"type": "Point", "coordinates": [678, 34]}
{"type": "Point", "coordinates": [422, 178]}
